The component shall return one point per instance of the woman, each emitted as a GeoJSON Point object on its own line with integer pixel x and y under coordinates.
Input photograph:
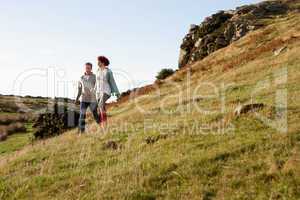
{"type": "Point", "coordinates": [105, 87]}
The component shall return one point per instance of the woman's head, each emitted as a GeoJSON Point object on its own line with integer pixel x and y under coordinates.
{"type": "Point", "coordinates": [103, 61]}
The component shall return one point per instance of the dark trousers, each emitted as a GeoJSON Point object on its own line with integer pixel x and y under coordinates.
{"type": "Point", "coordinates": [83, 108]}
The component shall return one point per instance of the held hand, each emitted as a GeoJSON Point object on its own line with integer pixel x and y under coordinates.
{"type": "Point", "coordinates": [77, 102]}
{"type": "Point", "coordinates": [118, 97]}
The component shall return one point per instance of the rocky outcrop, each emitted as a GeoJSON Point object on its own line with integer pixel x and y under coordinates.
{"type": "Point", "coordinates": [225, 27]}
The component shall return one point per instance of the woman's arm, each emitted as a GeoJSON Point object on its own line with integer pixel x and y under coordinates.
{"type": "Point", "coordinates": [112, 83]}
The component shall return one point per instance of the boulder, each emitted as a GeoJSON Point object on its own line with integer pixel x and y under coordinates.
{"type": "Point", "coordinates": [221, 42]}
{"type": "Point", "coordinates": [273, 7]}
{"type": "Point", "coordinates": [244, 9]}
{"type": "Point", "coordinates": [211, 47]}
{"type": "Point", "coordinates": [229, 31]}
{"type": "Point", "coordinates": [241, 30]}
{"type": "Point", "coordinates": [113, 145]}
{"type": "Point", "coordinates": [198, 43]}
{"type": "Point", "coordinates": [280, 50]}
{"type": "Point", "coordinates": [154, 139]}
{"type": "Point", "coordinates": [243, 109]}
{"type": "Point", "coordinates": [183, 59]}
{"type": "Point", "coordinates": [193, 28]}
{"type": "Point", "coordinates": [258, 12]}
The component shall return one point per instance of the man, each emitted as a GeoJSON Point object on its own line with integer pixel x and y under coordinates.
{"type": "Point", "coordinates": [87, 96]}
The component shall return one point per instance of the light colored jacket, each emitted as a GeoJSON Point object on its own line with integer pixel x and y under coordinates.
{"type": "Point", "coordinates": [105, 83]}
{"type": "Point", "coordinates": [86, 87]}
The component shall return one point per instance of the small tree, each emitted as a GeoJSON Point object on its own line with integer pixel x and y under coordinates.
{"type": "Point", "coordinates": [164, 73]}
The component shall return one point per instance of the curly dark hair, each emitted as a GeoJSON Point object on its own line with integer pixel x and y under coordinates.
{"type": "Point", "coordinates": [103, 60]}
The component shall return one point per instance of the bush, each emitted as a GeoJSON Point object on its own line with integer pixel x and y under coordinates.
{"type": "Point", "coordinates": [7, 119]}
{"type": "Point", "coordinates": [164, 73]}
{"type": "Point", "coordinates": [55, 122]}
{"type": "Point", "coordinates": [11, 129]}
{"type": "Point", "coordinates": [15, 128]}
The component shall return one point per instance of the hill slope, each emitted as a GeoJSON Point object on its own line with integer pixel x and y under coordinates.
{"type": "Point", "coordinates": [183, 140]}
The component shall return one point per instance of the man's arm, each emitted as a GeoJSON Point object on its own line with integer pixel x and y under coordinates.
{"type": "Point", "coordinates": [79, 92]}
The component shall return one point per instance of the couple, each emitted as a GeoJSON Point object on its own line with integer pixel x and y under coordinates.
{"type": "Point", "coordinates": [94, 91]}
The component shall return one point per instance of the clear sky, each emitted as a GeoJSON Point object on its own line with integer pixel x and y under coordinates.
{"type": "Point", "coordinates": [58, 36]}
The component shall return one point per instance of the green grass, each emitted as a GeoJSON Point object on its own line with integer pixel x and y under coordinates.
{"type": "Point", "coordinates": [14, 142]}
{"type": "Point", "coordinates": [191, 159]}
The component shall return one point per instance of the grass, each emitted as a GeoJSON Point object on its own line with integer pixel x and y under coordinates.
{"type": "Point", "coordinates": [193, 154]}
{"type": "Point", "coordinates": [16, 141]}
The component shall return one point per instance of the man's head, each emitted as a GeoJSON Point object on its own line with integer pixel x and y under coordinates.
{"type": "Point", "coordinates": [88, 68]}
{"type": "Point", "coordinates": [103, 61]}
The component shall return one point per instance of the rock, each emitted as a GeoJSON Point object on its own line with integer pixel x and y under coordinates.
{"type": "Point", "coordinates": [221, 29]}
{"type": "Point", "coordinates": [154, 139]}
{"type": "Point", "coordinates": [229, 31]}
{"type": "Point", "coordinates": [207, 39]}
{"type": "Point", "coordinates": [251, 27]}
{"type": "Point", "coordinates": [183, 59]}
{"type": "Point", "coordinates": [241, 30]}
{"type": "Point", "coordinates": [273, 7]}
{"type": "Point", "coordinates": [111, 145]}
{"type": "Point", "coordinates": [198, 43]}
{"type": "Point", "coordinates": [245, 9]}
{"type": "Point", "coordinates": [280, 50]}
{"type": "Point", "coordinates": [193, 28]}
{"type": "Point", "coordinates": [258, 12]}
{"type": "Point", "coordinates": [211, 47]}
{"type": "Point", "coordinates": [243, 109]}
{"type": "Point", "coordinates": [221, 42]}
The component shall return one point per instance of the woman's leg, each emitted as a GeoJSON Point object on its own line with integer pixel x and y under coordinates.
{"type": "Point", "coordinates": [102, 109]}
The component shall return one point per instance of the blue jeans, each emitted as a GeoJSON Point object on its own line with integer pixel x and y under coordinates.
{"type": "Point", "coordinates": [83, 108]}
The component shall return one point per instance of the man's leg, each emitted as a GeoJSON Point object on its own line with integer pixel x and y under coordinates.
{"type": "Point", "coordinates": [93, 107]}
{"type": "Point", "coordinates": [83, 107]}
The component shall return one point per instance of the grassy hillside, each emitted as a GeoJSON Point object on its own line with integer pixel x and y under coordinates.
{"type": "Point", "coordinates": [17, 118]}
{"type": "Point", "coordinates": [161, 148]}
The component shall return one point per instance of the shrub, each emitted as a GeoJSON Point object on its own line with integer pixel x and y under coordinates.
{"type": "Point", "coordinates": [164, 73]}
{"type": "Point", "coordinates": [7, 119]}
{"type": "Point", "coordinates": [127, 93]}
{"type": "Point", "coordinates": [15, 128]}
{"type": "Point", "coordinates": [11, 129]}
{"type": "Point", "coordinates": [55, 122]}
